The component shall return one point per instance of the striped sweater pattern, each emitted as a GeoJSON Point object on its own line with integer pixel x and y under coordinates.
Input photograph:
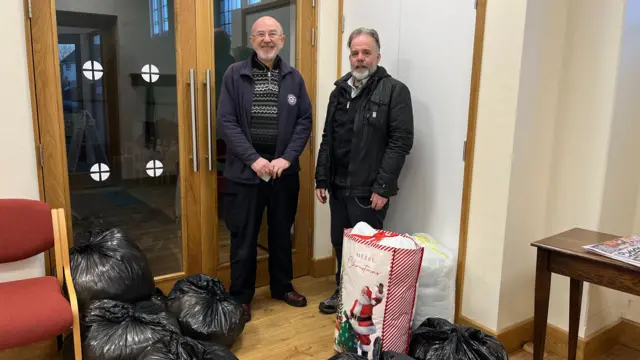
{"type": "Point", "coordinates": [264, 112]}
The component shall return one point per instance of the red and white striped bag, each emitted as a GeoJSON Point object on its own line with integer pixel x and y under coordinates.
{"type": "Point", "coordinates": [378, 288]}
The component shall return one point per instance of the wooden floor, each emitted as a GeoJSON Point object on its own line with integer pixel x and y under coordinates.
{"type": "Point", "coordinates": [279, 331]}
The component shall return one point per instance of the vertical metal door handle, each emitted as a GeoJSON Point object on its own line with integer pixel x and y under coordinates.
{"type": "Point", "coordinates": [194, 134]}
{"type": "Point", "coordinates": [209, 125]}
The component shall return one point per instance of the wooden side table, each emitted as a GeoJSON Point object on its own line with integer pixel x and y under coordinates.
{"type": "Point", "coordinates": [563, 254]}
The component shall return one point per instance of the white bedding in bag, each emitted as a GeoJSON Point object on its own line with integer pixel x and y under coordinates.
{"type": "Point", "coordinates": [437, 281]}
{"type": "Point", "coordinates": [398, 242]}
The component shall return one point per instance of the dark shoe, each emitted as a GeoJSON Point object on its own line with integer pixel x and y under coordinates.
{"type": "Point", "coordinates": [330, 305]}
{"type": "Point", "coordinates": [246, 312]}
{"type": "Point", "coordinates": [293, 298]}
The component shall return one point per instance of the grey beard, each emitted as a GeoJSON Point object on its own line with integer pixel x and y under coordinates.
{"type": "Point", "coordinates": [362, 75]}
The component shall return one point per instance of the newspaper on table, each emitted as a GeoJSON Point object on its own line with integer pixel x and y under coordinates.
{"type": "Point", "coordinates": [626, 249]}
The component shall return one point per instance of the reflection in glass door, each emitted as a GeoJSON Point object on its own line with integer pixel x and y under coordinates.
{"type": "Point", "coordinates": [121, 125]}
{"type": "Point", "coordinates": [126, 79]}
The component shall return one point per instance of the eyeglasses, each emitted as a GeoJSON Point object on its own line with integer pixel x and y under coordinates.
{"type": "Point", "coordinates": [263, 34]}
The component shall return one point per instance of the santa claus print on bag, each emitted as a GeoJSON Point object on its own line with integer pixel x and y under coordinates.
{"type": "Point", "coordinates": [362, 317]}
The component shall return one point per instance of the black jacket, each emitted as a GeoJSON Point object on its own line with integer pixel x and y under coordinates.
{"type": "Point", "coordinates": [383, 137]}
{"type": "Point", "coordinates": [234, 119]}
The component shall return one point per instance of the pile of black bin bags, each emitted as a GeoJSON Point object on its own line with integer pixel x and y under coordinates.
{"type": "Point", "coordinates": [124, 317]}
{"type": "Point", "coordinates": [438, 339]}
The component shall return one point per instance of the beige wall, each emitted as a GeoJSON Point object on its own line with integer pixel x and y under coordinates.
{"type": "Point", "coordinates": [583, 129]}
{"type": "Point", "coordinates": [570, 157]}
{"type": "Point", "coordinates": [629, 108]}
{"type": "Point", "coordinates": [17, 150]}
{"type": "Point", "coordinates": [541, 66]}
{"type": "Point", "coordinates": [500, 80]}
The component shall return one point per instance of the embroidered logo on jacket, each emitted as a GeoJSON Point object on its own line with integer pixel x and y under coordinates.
{"type": "Point", "coordinates": [292, 99]}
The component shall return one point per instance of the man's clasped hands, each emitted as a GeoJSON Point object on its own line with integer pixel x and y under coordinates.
{"type": "Point", "coordinates": [273, 169]}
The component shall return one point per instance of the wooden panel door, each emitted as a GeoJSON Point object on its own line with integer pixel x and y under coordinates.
{"type": "Point", "coordinates": [223, 28]}
{"type": "Point", "coordinates": [117, 96]}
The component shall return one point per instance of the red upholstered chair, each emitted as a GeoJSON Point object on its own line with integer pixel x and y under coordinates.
{"type": "Point", "coordinates": [36, 309]}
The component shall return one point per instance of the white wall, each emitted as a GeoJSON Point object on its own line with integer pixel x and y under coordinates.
{"type": "Point", "coordinates": [438, 74]}
{"type": "Point", "coordinates": [326, 73]}
{"type": "Point", "coordinates": [17, 150]}
{"type": "Point", "coordinates": [382, 15]}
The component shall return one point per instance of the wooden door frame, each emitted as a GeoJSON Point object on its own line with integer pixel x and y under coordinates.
{"type": "Point", "coordinates": [476, 66]}
{"type": "Point", "coordinates": [46, 101]}
{"type": "Point", "coordinates": [49, 261]}
{"type": "Point", "coordinates": [306, 25]}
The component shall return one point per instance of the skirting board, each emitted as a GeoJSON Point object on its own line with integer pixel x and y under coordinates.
{"type": "Point", "coordinates": [513, 338]}
{"type": "Point", "coordinates": [323, 267]}
{"type": "Point", "coordinates": [591, 347]}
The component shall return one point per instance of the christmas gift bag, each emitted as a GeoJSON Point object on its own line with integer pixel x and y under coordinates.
{"type": "Point", "coordinates": [378, 288]}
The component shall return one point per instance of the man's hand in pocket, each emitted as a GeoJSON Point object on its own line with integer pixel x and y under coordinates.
{"type": "Point", "coordinates": [378, 202]}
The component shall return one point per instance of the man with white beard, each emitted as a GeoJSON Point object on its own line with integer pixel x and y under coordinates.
{"type": "Point", "coordinates": [368, 132]}
{"type": "Point", "coordinates": [264, 116]}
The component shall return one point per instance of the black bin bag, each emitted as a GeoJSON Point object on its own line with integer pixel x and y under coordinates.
{"type": "Point", "coordinates": [114, 330]}
{"type": "Point", "coordinates": [110, 266]}
{"type": "Point", "coordinates": [159, 297]}
{"type": "Point", "coordinates": [183, 348]}
{"type": "Point", "coordinates": [205, 311]}
{"type": "Point", "coordinates": [378, 354]}
{"type": "Point", "coordinates": [437, 338]}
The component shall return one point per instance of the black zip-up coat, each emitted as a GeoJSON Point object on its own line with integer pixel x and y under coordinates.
{"type": "Point", "coordinates": [382, 137]}
{"type": "Point", "coordinates": [234, 120]}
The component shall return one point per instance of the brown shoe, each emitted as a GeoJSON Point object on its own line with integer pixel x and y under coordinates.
{"type": "Point", "coordinates": [294, 298]}
{"type": "Point", "coordinates": [247, 312]}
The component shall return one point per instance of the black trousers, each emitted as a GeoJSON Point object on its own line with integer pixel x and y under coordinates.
{"type": "Point", "coordinates": [346, 212]}
{"type": "Point", "coordinates": [244, 206]}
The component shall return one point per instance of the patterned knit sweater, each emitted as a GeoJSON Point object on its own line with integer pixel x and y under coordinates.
{"type": "Point", "coordinates": [264, 109]}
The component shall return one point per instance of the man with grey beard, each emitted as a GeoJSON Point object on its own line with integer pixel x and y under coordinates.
{"type": "Point", "coordinates": [368, 133]}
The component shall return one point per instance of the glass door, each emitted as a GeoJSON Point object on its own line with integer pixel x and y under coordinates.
{"type": "Point", "coordinates": [226, 25]}
{"type": "Point", "coordinates": [117, 91]}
